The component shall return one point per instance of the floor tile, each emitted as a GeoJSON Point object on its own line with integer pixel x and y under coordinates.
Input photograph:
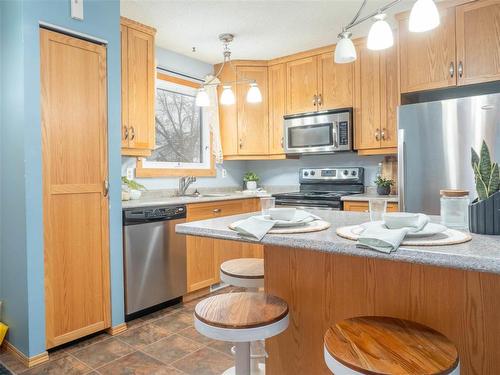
{"type": "Point", "coordinates": [63, 366]}
{"type": "Point", "coordinates": [193, 334]}
{"type": "Point", "coordinates": [175, 322]}
{"type": "Point", "coordinates": [171, 349]}
{"type": "Point", "coordinates": [11, 362]}
{"type": "Point", "coordinates": [205, 361]}
{"type": "Point", "coordinates": [221, 346]}
{"type": "Point", "coordinates": [137, 364]}
{"type": "Point", "coordinates": [87, 341]}
{"type": "Point", "coordinates": [103, 352]}
{"type": "Point", "coordinates": [143, 335]}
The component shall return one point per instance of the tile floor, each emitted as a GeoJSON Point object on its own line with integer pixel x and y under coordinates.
{"type": "Point", "coordinates": [162, 343]}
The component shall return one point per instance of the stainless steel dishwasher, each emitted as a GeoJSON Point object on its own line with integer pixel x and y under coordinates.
{"type": "Point", "coordinates": [154, 256]}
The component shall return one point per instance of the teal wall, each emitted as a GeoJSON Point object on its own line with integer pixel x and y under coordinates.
{"type": "Point", "coordinates": [22, 229]}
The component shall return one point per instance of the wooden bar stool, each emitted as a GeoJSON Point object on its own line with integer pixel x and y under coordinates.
{"type": "Point", "coordinates": [241, 318]}
{"type": "Point", "coordinates": [383, 345]}
{"type": "Point", "coordinates": [244, 273]}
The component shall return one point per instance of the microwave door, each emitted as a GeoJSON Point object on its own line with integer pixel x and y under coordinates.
{"type": "Point", "coordinates": [320, 137]}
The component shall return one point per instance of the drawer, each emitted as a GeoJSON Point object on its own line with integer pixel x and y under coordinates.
{"type": "Point", "coordinates": [362, 206]}
{"type": "Point", "coordinates": [210, 210]}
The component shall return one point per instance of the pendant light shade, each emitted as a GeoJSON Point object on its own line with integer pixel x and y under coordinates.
{"type": "Point", "coordinates": [380, 36]}
{"type": "Point", "coordinates": [227, 96]}
{"type": "Point", "coordinates": [254, 95]}
{"type": "Point", "coordinates": [424, 16]}
{"type": "Point", "coordinates": [345, 52]}
{"type": "Point", "coordinates": [202, 99]}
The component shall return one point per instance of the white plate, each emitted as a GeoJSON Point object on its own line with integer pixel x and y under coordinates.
{"type": "Point", "coordinates": [286, 223]}
{"type": "Point", "coordinates": [429, 230]}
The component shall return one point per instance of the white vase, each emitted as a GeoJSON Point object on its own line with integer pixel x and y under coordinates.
{"type": "Point", "coordinates": [251, 185]}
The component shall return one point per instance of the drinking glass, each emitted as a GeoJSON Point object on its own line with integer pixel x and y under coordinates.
{"type": "Point", "coordinates": [377, 209]}
{"type": "Point", "coordinates": [265, 204]}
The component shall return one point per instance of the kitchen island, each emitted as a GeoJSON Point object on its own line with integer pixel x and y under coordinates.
{"type": "Point", "coordinates": [324, 278]}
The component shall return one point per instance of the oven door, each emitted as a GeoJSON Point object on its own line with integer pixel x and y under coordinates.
{"type": "Point", "coordinates": [318, 133]}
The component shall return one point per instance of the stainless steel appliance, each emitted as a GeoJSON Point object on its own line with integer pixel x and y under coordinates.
{"type": "Point", "coordinates": [154, 256]}
{"type": "Point", "coordinates": [435, 141]}
{"type": "Point", "coordinates": [318, 132]}
{"type": "Point", "coordinates": [323, 188]}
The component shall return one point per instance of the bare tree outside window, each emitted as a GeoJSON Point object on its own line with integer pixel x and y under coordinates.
{"type": "Point", "coordinates": [178, 128]}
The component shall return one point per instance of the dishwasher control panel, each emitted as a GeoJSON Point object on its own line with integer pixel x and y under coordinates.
{"type": "Point", "coordinates": [144, 214]}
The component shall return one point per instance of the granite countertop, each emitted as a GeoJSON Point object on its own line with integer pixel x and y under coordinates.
{"type": "Point", "coordinates": [367, 196]}
{"type": "Point", "coordinates": [481, 254]}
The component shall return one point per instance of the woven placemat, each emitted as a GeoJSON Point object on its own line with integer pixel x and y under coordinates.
{"type": "Point", "coordinates": [313, 226]}
{"type": "Point", "coordinates": [448, 237]}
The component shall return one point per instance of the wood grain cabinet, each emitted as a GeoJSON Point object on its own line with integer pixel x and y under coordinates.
{"type": "Point", "coordinates": [363, 206]}
{"type": "Point", "coordinates": [376, 101]}
{"type": "Point", "coordinates": [463, 50]}
{"type": "Point", "coordinates": [138, 93]}
{"type": "Point", "coordinates": [316, 83]}
{"type": "Point", "coordinates": [277, 87]}
{"type": "Point", "coordinates": [205, 255]}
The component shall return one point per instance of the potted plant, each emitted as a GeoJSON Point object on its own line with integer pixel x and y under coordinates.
{"type": "Point", "coordinates": [383, 185]}
{"type": "Point", "coordinates": [134, 189]}
{"type": "Point", "coordinates": [251, 180]}
{"type": "Point", "coordinates": [484, 212]}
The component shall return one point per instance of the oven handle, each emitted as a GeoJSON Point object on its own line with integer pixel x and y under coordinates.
{"type": "Point", "coordinates": [325, 208]}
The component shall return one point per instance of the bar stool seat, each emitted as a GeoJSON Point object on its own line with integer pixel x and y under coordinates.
{"type": "Point", "coordinates": [383, 345]}
{"type": "Point", "coordinates": [241, 318]}
{"type": "Point", "coordinates": [243, 272]}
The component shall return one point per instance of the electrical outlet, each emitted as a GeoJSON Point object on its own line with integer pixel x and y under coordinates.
{"type": "Point", "coordinates": [77, 9]}
{"type": "Point", "coordinates": [224, 173]}
{"type": "Point", "coordinates": [130, 173]}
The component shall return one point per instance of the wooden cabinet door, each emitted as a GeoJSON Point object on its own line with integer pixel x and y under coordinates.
{"type": "Point", "coordinates": [336, 83]}
{"type": "Point", "coordinates": [277, 79]}
{"type": "Point", "coordinates": [75, 203]}
{"type": "Point", "coordinates": [228, 115]}
{"type": "Point", "coordinates": [124, 98]}
{"type": "Point", "coordinates": [301, 85]}
{"type": "Point", "coordinates": [367, 102]}
{"type": "Point", "coordinates": [426, 58]}
{"type": "Point", "coordinates": [201, 263]}
{"type": "Point", "coordinates": [478, 42]}
{"type": "Point", "coordinates": [253, 118]}
{"type": "Point", "coordinates": [227, 250]}
{"type": "Point", "coordinates": [140, 89]}
{"type": "Point", "coordinates": [363, 206]}
{"type": "Point", "coordinates": [389, 98]}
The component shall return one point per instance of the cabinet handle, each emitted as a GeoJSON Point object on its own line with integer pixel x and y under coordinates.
{"type": "Point", "coordinates": [241, 143]}
{"type": "Point", "coordinates": [216, 210]}
{"type": "Point", "coordinates": [320, 100]}
{"type": "Point", "coordinates": [383, 134]}
{"type": "Point", "coordinates": [377, 134]}
{"type": "Point", "coordinates": [132, 135]}
{"type": "Point", "coordinates": [282, 142]}
{"type": "Point", "coordinates": [106, 187]}
{"type": "Point", "coordinates": [460, 69]}
{"type": "Point", "coordinates": [315, 100]}
{"type": "Point", "coordinates": [452, 69]}
{"type": "Point", "coordinates": [126, 131]}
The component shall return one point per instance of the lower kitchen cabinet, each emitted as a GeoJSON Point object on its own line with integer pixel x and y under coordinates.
{"type": "Point", "coordinates": [205, 255]}
{"type": "Point", "coordinates": [362, 206]}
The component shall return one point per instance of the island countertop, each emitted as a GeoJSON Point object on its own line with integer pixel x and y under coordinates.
{"type": "Point", "coordinates": [482, 254]}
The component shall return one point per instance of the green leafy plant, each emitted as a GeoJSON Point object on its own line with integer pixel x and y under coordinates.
{"type": "Point", "coordinates": [383, 182]}
{"type": "Point", "coordinates": [132, 184]}
{"type": "Point", "coordinates": [251, 176]}
{"type": "Point", "coordinates": [486, 173]}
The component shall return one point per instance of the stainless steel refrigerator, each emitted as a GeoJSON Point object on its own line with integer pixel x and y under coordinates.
{"type": "Point", "coordinates": [434, 142]}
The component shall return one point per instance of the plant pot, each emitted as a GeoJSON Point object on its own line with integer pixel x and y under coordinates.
{"type": "Point", "coordinates": [251, 185]}
{"type": "Point", "coordinates": [383, 190]}
{"type": "Point", "coordinates": [484, 216]}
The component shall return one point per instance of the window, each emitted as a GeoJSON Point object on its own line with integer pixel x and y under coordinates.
{"type": "Point", "coordinates": [182, 140]}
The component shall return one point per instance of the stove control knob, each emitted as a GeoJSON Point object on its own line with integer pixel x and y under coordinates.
{"type": "Point", "coordinates": [346, 172]}
{"type": "Point", "coordinates": [306, 173]}
{"type": "Point", "coordinates": [353, 173]}
{"type": "Point", "coordinates": [313, 173]}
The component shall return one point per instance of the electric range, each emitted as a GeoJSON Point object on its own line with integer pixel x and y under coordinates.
{"type": "Point", "coordinates": [323, 188]}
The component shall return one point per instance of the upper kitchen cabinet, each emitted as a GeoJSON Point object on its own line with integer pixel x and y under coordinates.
{"type": "Point", "coordinates": [138, 93]}
{"type": "Point", "coordinates": [427, 59]}
{"type": "Point", "coordinates": [317, 83]}
{"type": "Point", "coordinates": [478, 42]}
{"type": "Point", "coordinates": [463, 50]}
{"type": "Point", "coordinates": [376, 101]}
{"type": "Point", "coordinates": [277, 87]}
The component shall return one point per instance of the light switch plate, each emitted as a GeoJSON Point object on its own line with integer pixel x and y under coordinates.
{"type": "Point", "coordinates": [224, 173]}
{"type": "Point", "coordinates": [77, 9]}
{"type": "Point", "coordinates": [130, 173]}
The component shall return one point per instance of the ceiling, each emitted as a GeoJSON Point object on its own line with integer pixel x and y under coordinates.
{"type": "Point", "coordinates": [262, 29]}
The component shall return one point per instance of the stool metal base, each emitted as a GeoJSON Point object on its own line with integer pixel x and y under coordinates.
{"type": "Point", "coordinates": [261, 370]}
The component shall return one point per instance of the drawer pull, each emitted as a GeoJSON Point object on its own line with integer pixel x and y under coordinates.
{"type": "Point", "coordinates": [216, 210]}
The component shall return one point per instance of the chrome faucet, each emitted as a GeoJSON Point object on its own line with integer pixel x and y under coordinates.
{"type": "Point", "coordinates": [184, 183]}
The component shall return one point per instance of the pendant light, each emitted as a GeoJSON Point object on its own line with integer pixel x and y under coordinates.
{"type": "Point", "coordinates": [345, 52]}
{"type": "Point", "coordinates": [424, 16]}
{"type": "Point", "coordinates": [227, 97]}
{"type": "Point", "coordinates": [380, 36]}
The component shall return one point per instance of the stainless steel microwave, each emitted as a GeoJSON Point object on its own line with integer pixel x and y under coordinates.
{"type": "Point", "coordinates": [319, 132]}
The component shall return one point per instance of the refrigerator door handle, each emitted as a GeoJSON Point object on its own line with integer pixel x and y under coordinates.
{"type": "Point", "coordinates": [401, 169]}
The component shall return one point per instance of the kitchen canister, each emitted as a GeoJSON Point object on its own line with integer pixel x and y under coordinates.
{"type": "Point", "coordinates": [455, 208]}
